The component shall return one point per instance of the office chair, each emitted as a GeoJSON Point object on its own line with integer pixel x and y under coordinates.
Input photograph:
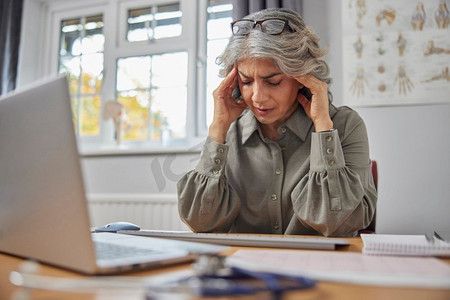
{"type": "Point", "coordinates": [371, 227]}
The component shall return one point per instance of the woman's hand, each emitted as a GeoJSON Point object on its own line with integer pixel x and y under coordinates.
{"type": "Point", "coordinates": [226, 110]}
{"type": "Point", "coordinates": [317, 108]}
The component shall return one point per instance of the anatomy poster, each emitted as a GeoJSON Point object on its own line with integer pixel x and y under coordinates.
{"type": "Point", "coordinates": [396, 52]}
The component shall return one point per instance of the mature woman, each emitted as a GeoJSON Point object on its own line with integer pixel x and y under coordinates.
{"type": "Point", "coordinates": [279, 158]}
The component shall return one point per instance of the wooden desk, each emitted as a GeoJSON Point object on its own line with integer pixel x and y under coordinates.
{"type": "Point", "coordinates": [323, 290]}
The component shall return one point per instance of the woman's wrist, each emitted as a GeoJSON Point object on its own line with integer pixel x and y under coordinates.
{"type": "Point", "coordinates": [324, 125]}
{"type": "Point", "coordinates": [217, 132]}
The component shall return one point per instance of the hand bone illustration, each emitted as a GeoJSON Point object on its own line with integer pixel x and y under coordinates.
{"type": "Point", "coordinates": [404, 83]}
{"type": "Point", "coordinates": [358, 84]}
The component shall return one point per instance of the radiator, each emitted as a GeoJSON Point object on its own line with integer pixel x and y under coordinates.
{"type": "Point", "coordinates": [149, 211]}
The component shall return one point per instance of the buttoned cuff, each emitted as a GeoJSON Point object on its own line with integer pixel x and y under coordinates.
{"type": "Point", "coordinates": [326, 151]}
{"type": "Point", "coordinates": [213, 158]}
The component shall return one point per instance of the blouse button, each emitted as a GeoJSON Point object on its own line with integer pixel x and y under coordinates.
{"type": "Point", "coordinates": [273, 197]}
{"type": "Point", "coordinates": [220, 150]}
{"type": "Point", "coordinates": [331, 162]}
{"type": "Point", "coordinates": [217, 161]}
{"type": "Point", "coordinates": [276, 225]}
{"type": "Point", "coordinates": [283, 129]}
{"type": "Point", "coordinates": [215, 172]}
{"type": "Point", "coordinates": [278, 172]}
{"type": "Point", "coordinates": [329, 138]}
{"type": "Point", "coordinates": [329, 150]}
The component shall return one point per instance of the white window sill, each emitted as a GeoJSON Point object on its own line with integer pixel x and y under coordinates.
{"type": "Point", "coordinates": [96, 150]}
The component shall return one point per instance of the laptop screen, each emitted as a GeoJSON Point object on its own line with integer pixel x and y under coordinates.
{"type": "Point", "coordinates": [43, 210]}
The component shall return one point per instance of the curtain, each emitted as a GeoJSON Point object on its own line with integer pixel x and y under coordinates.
{"type": "Point", "coordinates": [242, 8]}
{"type": "Point", "coordinates": [10, 23]}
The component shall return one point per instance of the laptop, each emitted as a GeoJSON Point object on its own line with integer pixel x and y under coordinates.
{"type": "Point", "coordinates": [43, 207]}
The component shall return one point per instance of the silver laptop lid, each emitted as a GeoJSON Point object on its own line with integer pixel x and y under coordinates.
{"type": "Point", "coordinates": [43, 211]}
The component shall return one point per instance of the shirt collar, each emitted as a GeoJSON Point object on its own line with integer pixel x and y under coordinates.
{"type": "Point", "coordinates": [249, 125]}
{"type": "Point", "coordinates": [299, 123]}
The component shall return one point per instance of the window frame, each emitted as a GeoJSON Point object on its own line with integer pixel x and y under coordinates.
{"type": "Point", "coordinates": [116, 46]}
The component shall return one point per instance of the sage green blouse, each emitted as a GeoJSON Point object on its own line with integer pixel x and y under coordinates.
{"type": "Point", "coordinates": [304, 183]}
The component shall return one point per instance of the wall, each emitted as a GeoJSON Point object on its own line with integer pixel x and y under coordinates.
{"type": "Point", "coordinates": [141, 174]}
{"type": "Point", "coordinates": [409, 143]}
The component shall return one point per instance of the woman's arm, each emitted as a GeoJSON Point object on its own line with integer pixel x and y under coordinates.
{"type": "Point", "coordinates": [338, 196]}
{"type": "Point", "coordinates": [205, 201]}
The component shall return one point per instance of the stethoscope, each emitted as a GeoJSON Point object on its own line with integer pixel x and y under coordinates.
{"type": "Point", "coordinates": [209, 277]}
{"type": "Point", "coordinates": [214, 279]}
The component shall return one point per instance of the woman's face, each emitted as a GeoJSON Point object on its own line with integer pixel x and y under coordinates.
{"type": "Point", "coordinates": [269, 94]}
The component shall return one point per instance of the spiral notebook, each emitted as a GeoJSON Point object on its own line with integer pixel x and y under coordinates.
{"type": "Point", "coordinates": [404, 245]}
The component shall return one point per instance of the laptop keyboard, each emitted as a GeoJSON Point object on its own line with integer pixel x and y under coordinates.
{"type": "Point", "coordinates": [106, 251]}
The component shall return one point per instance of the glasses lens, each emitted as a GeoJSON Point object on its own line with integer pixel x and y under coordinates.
{"type": "Point", "coordinates": [273, 26]}
{"type": "Point", "coordinates": [242, 27]}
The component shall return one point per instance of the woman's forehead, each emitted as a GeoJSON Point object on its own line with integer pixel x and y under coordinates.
{"type": "Point", "coordinates": [261, 68]}
{"type": "Point", "coordinates": [259, 63]}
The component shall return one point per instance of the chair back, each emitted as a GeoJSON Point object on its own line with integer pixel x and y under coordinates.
{"type": "Point", "coordinates": [375, 173]}
{"type": "Point", "coordinates": [371, 227]}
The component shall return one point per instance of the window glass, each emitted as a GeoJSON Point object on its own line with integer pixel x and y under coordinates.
{"type": "Point", "coordinates": [81, 59]}
{"type": "Point", "coordinates": [90, 112]}
{"type": "Point", "coordinates": [154, 96]}
{"type": "Point", "coordinates": [72, 67]}
{"type": "Point", "coordinates": [218, 34]}
{"type": "Point", "coordinates": [155, 22]}
{"type": "Point", "coordinates": [133, 73]}
{"type": "Point", "coordinates": [135, 122]}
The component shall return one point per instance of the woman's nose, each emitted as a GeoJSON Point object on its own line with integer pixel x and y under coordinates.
{"type": "Point", "coordinates": [258, 94]}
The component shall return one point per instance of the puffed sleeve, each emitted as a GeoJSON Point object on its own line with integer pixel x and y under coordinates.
{"type": "Point", "coordinates": [338, 196]}
{"type": "Point", "coordinates": [206, 203]}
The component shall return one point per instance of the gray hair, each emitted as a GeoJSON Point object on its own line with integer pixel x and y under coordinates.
{"type": "Point", "coordinates": [294, 53]}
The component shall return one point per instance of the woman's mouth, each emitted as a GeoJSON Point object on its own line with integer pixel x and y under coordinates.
{"type": "Point", "coordinates": [263, 111]}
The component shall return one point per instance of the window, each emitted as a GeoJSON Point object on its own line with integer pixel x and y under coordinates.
{"type": "Point", "coordinates": [154, 22]}
{"type": "Point", "coordinates": [81, 58]}
{"type": "Point", "coordinates": [155, 58]}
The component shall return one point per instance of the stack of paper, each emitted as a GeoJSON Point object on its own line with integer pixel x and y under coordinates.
{"type": "Point", "coordinates": [404, 245]}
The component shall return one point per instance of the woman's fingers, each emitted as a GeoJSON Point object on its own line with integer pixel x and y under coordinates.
{"type": "Point", "coordinates": [230, 81]}
{"type": "Point", "coordinates": [317, 108]}
{"type": "Point", "coordinates": [315, 85]}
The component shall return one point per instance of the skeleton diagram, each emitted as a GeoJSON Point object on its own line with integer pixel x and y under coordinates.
{"type": "Point", "coordinates": [442, 16]}
{"type": "Point", "coordinates": [404, 83]}
{"type": "Point", "coordinates": [380, 39]}
{"type": "Point", "coordinates": [401, 44]}
{"type": "Point", "coordinates": [418, 18]}
{"type": "Point", "coordinates": [444, 75]}
{"type": "Point", "coordinates": [360, 10]}
{"type": "Point", "coordinates": [385, 14]}
{"type": "Point", "coordinates": [358, 46]}
{"type": "Point", "coordinates": [431, 49]}
{"type": "Point", "coordinates": [358, 84]}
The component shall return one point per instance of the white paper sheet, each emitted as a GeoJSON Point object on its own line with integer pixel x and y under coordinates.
{"type": "Point", "coordinates": [348, 267]}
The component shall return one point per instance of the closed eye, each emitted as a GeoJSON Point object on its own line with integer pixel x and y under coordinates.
{"type": "Point", "coordinates": [274, 83]}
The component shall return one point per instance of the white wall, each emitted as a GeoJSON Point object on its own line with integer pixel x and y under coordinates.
{"type": "Point", "coordinates": [143, 174]}
{"type": "Point", "coordinates": [409, 143]}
